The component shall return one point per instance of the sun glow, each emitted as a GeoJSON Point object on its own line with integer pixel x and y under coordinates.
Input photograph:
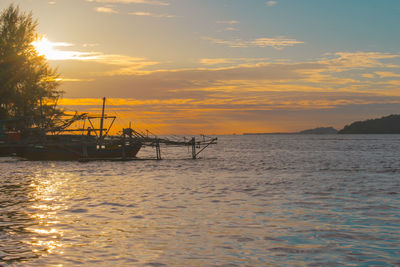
{"type": "Point", "coordinates": [49, 50]}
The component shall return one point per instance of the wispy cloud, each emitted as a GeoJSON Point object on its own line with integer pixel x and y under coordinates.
{"type": "Point", "coordinates": [242, 90]}
{"type": "Point", "coordinates": [106, 9]}
{"type": "Point", "coordinates": [51, 50]}
{"type": "Point", "coordinates": [90, 45]}
{"type": "Point", "coordinates": [277, 42]}
{"type": "Point", "coordinates": [147, 2]}
{"type": "Point", "coordinates": [368, 75]}
{"type": "Point", "coordinates": [343, 61]}
{"type": "Point", "coordinates": [271, 3]}
{"type": "Point", "coordinates": [231, 29]}
{"type": "Point", "coordinates": [75, 80]}
{"type": "Point", "coordinates": [125, 64]}
{"type": "Point", "coordinates": [230, 22]}
{"type": "Point", "coordinates": [229, 25]}
{"type": "Point", "coordinates": [219, 61]}
{"type": "Point", "coordinates": [254, 74]}
{"type": "Point", "coordinates": [387, 74]}
{"type": "Point", "coordinates": [149, 14]}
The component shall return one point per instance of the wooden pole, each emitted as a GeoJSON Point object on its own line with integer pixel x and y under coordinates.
{"type": "Point", "coordinates": [194, 154]}
{"type": "Point", "coordinates": [102, 121]}
{"type": "Point", "coordinates": [158, 149]}
{"type": "Point", "coordinates": [123, 147]}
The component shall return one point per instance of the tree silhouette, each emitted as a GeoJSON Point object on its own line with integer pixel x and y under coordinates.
{"type": "Point", "coordinates": [28, 85]}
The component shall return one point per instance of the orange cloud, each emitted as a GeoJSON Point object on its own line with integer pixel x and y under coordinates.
{"type": "Point", "coordinates": [106, 9]}
{"type": "Point", "coordinates": [149, 14]}
{"type": "Point", "coordinates": [387, 74]}
{"type": "Point", "coordinates": [175, 115]}
{"type": "Point", "coordinates": [223, 99]}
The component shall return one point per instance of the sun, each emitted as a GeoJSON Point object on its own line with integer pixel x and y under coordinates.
{"type": "Point", "coordinates": [49, 50]}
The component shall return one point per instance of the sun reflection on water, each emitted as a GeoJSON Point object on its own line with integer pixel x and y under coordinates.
{"type": "Point", "coordinates": [47, 200]}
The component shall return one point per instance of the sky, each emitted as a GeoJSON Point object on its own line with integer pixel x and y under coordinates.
{"type": "Point", "coordinates": [224, 66]}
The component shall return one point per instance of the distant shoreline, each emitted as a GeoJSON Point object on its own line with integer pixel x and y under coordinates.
{"type": "Point", "coordinates": [287, 134]}
{"type": "Point", "coordinates": [384, 125]}
{"type": "Point", "coordinates": [319, 130]}
{"type": "Point", "coordinates": [269, 133]}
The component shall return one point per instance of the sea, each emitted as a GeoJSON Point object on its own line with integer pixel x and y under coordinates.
{"type": "Point", "coordinates": [250, 200]}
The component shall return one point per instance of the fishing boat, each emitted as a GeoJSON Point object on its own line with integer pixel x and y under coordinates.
{"type": "Point", "coordinates": [64, 142]}
{"type": "Point", "coordinates": [89, 144]}
{"type": "Point", "coordinates": [71, 147]}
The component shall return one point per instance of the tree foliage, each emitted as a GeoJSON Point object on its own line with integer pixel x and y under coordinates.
{"type": "Point", "coordinates": [28, 85]}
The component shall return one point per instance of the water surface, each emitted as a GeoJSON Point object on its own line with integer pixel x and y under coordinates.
{"type": "Point", "coordinates": [250, 201]}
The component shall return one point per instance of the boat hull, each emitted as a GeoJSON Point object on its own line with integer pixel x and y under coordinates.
{"type": "Point", "coordinates": [79, 152]}
{"type": "Point", "coordinates": [8, 150]}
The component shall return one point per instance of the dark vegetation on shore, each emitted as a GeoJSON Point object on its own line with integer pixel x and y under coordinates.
{"type": "Point", "coordinates": [385, 125]}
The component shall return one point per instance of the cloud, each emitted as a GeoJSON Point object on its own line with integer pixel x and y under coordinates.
{"type": "Point", "coordinates": [147, 2]}
{"type": "Point", "coordinates": [149, 14]}
{"type": "Point", "coordinates": [198, 83]}
{"type": "Point", "coordinates": [240, 95]}
{"type": "Point", "coordinates": [231, 29]}
{"type": "Point", "coordinates": [219, 61]}
{"type": "Point", "coordinates": [118, 60]}
{"type": "Point", "coordinates": [75, 80]}
{"type": "Point", "coordinates": [341, 72]}
{"type": "Point", "coordinates": [106, 9]}
{"type": "Point", "coordinates": [90, 45]}
{"type": "Point", "coordinates": [358, 60]}
{"type": "Point", "coordinates": [50, 50]}
{"type": "Point", "coordinates": [368, 75]}
{"type": "Point", "coordinates": [125, 64]}
{"type": "Point", "coordinates": [387, 74]}
{"type": "Point", "coordinates": [230, 22]}
{"type": "Point", "coordinates": [277, 43]}
{"type": "Point", "coordinates": [129, 76]}
{"type": "Point", "coordinates": [271, 3]}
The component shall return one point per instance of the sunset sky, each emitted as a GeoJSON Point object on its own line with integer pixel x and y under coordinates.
{"type": "Point", "coordinates": [224, 66]}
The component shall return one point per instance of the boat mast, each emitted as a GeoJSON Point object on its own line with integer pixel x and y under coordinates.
{"type": "Point", "coordinates": [102, 121]}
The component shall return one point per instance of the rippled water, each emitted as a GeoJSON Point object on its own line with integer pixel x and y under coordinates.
{"type": "Point", "coordinates": [250, 201]}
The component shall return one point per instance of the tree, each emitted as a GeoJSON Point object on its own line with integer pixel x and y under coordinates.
{"type": "Point", "coordinates": [28, 85]}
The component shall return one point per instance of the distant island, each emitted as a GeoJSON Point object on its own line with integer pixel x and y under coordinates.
{"type": "Point", "coordinates": [319, 130]}
{"type": "Point", "coordinates": [385, 125]}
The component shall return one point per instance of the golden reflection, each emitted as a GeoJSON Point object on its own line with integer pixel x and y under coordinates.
{"type": "Point", "coordinates": [44, 231]}
{"type": "Point", "coordinates": [47, 201]}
